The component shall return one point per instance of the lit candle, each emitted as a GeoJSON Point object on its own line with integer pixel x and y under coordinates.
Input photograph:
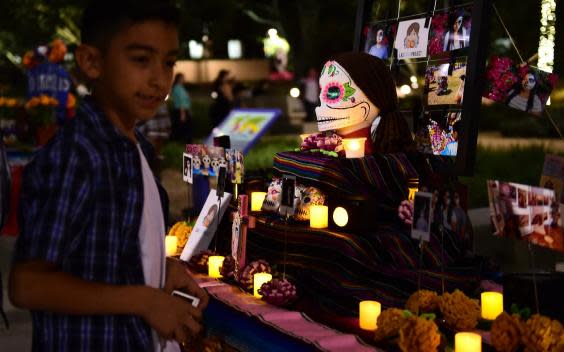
{"type": "Point", "coordinates": [467, 342]}
{"type": "Point", "coordinates": [171, 242]}
{"type": "Point", "coordinates": [259, 279]}
{"type": "Point", "coordinates": [492, 305]}
{"type": "Point", "coordinates": [354, 147]}
{"type": "Point", "coordinates": [318, 216]}
{"type": "Point", "coordinates": [369, 313]}
{"type": "Point", "coordinates": [214, 263]}
{"type": "Point", "coordinates": [256, 200]}
{"type": "Point", "coordinates": [340, 216]}
{"type": "Point", "coordinates": [411, 195]}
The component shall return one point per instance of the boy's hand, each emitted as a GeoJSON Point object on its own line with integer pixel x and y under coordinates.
{"type": "Point", "coordinates": [172, 317]}
{"type": "Point", "coordinates": [178, 278]}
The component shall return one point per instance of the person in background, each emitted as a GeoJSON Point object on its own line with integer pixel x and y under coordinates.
{"type": "Point", "coordinates": [311, 93]}
{"type": "Point", "coordinates": [222, 94]}
{"type": "Point", "coordinates": [181, 112]}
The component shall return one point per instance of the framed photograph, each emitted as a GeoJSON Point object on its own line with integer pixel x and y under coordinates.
{"type": "Point", "coordinates": [411, 39]}
{"type": "Point", "coordinates": [206, 160]}
{"type": "Point", "coordinates": [444, 82]}
{"type": "Point", "coordinates": [421, 226]}
{"type": "Point", "coordinates": [450, 31]}
{"type": "Point", "coordinates": [437, 132]}
{"type": "Point", "coordinates": [187, 167]}
{"type": "Point", "coordinates": [206, 225]}
{"type": "Point", "coordinates": [235, 165]}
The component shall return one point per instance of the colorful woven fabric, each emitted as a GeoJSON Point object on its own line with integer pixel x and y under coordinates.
{"type": "Point", "coordinates": [383, 177]}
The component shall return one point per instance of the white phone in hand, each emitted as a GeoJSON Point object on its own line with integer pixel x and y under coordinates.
{"type": "Point", "coordinates": [195, 301]}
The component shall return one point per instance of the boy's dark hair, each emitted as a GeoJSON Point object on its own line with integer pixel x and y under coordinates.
{"type": "Point", "coordinates": [102, 19]}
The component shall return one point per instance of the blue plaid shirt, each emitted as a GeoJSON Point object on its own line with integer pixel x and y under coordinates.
{"type": "Point", "coordinates": [80, 208]}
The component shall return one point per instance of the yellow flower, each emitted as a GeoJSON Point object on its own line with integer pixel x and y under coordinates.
{"type": "Point", "coordinates": [11, 102]}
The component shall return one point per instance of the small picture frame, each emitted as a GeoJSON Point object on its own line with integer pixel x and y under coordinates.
{"type": "Point", "coordinates": [187, 175]}
{"type": "Point", "coordinates": [422, 214]}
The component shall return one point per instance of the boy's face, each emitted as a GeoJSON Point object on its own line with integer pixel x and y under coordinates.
{"type": "Point", "coordinates": [136, 69]}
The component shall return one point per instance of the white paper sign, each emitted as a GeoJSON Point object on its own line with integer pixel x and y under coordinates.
{"type": "Point", "coordinates": [411, 39]}
{"type": "Point", "coordinates": [206, 225]}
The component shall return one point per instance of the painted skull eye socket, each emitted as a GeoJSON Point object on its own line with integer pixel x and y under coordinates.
{"type": "Point", "coordinates": [307, 200]}
{"type": "Point", "coordinates": [333, 92]}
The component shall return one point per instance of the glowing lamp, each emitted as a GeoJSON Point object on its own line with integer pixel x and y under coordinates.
{"type": "Point", "coordinates": [258, 280]}
{"type": "Point", "coordinates": [411, 195]}
{"type": "Point", "coordinates": [318, 218]}
{"type": "Point", "coordinates": [354, 147]}
{"type": "Point", "coordinates": [467, 342]}
{"type": "Point", "coordinates": [369, 312]}
{"type": "Point", "coordinates": [492, 305]}
{"type": "Point", "coordinates": [256, 200]}
{"type": "Point", "coordinates": [340, 216]}
{"type": "Point", "coordinates": [295, 92]}
{"type": "Point", "coordinates": [171, 242]}
{"type": "Point", "coordinates": [215, 262]}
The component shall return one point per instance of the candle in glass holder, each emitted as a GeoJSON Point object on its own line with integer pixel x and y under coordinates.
{"type": "Point", "coordinates": [354, 147]}
{"type": "Point", "coordinates": [318, 216]}
{"type": "Point", "coordinates": [467, 342]}
{"type": "Point", "coordinates": [369, 311]}
{"type": "Point", "coordinates": [214, 264]}
{"type": "Point", "coordinates": [492, 305]}
{"type": "Point", "coordinates": [171, 242]}
{"type": "Point", "coordinates": [256, 200]}
{"type": "Point", "coordinates": [258, 280]}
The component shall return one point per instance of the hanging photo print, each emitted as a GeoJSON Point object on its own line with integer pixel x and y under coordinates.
{"type": "Point", "coordinates": [444, 82]}
{"type": "Point", "coordinates": [411, 39]}
{"type": "Point", "coordinates": [450, 31]}
{"type": "Point", "coordinates": [525, 212]}
{"type": "Point", "coordinates": [421, 226]}
{"type": "Point", "coordinates": [235, 165]}
{"type": "Point", "coordinates": [187, 167]}
{"type": "Point", "coordinates": [438, 132]}
{"type": "Point", "coordinates": [524, 88]}
{"type": "Point", "coordinates": [379, 39]}
{"type": "Point", "coordinates": [206, 160]}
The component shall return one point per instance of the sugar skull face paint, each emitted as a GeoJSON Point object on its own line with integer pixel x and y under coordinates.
{"type": "Point", "coordinates": [343, 104]}
{"type": "Point", "coordinates": [529, 81]}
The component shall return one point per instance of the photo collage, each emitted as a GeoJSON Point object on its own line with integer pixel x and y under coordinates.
{"type": "Point", "coordinates": [206, 161]}
{"type": "Point", "coordinates": [433, 50]}
{"type": "Point", "coordinates": [526, 212]}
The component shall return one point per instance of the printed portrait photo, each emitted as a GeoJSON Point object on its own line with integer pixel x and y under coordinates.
{"type": "Point", "coordinates": [450, 31]}
{"type": "Point", "coordinates": [444, 82]}
{"type": "Point", "coordinates": [421, 226]}
{"type": "Point", "coordinates": [187, 167]}
{"type": "Point", "coordinates": [438, 132]}
{"type": "Point", "coordinates": [379, 39]}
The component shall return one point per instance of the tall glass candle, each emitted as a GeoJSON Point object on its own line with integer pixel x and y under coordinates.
{"type": "Point", "coordinates": [492, 305]}
{"type": "Point", "coordinates": [215, 262]}
{"type": "Point", "coordinates": [256, 200]}
{"type": "Point", "coordinates": [171, 242]}
{"type": "Point", "coordinates": [354, 147]}
{"type": "Point", "coordinates": [467, 342]}
{"type": "Point", "coordinates": [258, 280]}
{"type": "Point", "coordinates": [369, 311]}
{"type": "Point", "coordinates": [318, 216]}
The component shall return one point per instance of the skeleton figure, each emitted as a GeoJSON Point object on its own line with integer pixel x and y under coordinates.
{"type": "Point", "coordinates": [215, 166]}
{"type": "Point", "coordinates": [222, 162]}
{"type": "Point", "coordinates": [344, 107]}
{"type": "Point", "coordinates": [206, 161]}
{"type": "Point", "coordinates": [196, 164]}
{"type": "Point", "coordinates": [309, 196]}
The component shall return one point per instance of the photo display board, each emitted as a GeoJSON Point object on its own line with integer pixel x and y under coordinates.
{"type": "Point", "coordinates": [436, 56]}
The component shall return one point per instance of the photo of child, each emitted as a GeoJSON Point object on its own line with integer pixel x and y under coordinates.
{"type": "Point", "coordinates": [438, 133]}
{"type": "Point", "coordinates": [411, 39]}
{"type": "Point", "coordinates": [187, 167]}
{"type": "Point", "coordinates": [444, 82]}
{"type": "Point", "coordinates": [378, 39]}
{"type": "Point", "coordinates": [422, 216]}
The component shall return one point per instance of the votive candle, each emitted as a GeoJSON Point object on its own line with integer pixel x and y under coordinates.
{"type": "Point", "coordinates": [215, 262]}
{"type": "Point", "coordinates": [258, 280]}
{"type": "Point", "coordinates": [318, 216]}
{"type": "Point", "coordinates": [354, 147]}
{"type": "Point", "coordinates": [256, 200]}
{"type": "Point", "coordinates": [171, 242]}
{"type": "Point", "coordinates": [492, 305]}
{"type": "Point", "coordinates": [369, 311]}
{"type": "Point", "coordinates": [467, 342]}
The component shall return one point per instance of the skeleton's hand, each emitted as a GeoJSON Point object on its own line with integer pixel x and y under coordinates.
{"type": "Point", "coordinates": [405, 212]}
